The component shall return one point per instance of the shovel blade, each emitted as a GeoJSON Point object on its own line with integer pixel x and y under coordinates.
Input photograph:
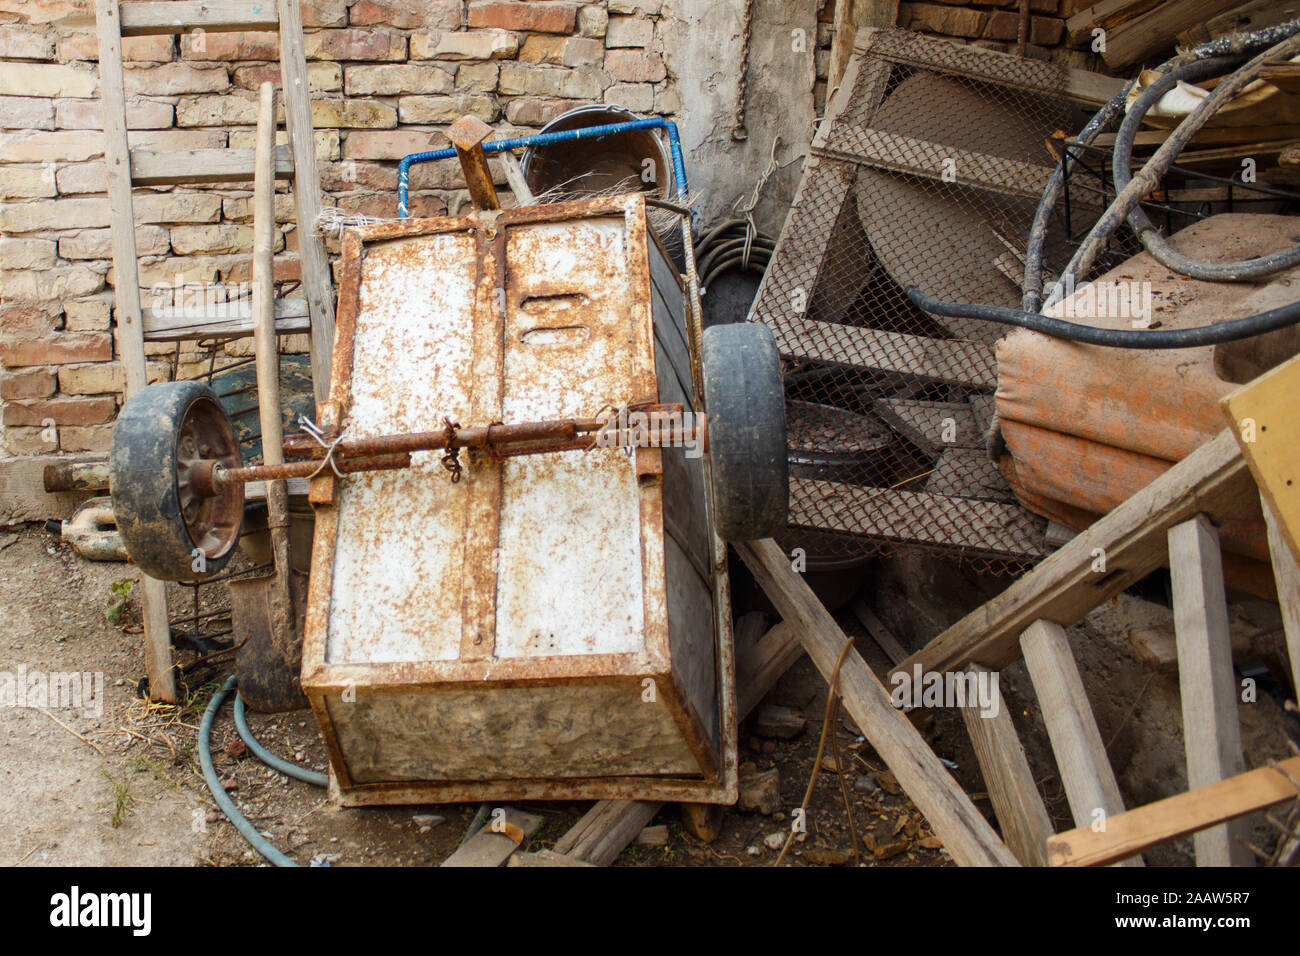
{"type": "Point", "coordinates": [270, 658]}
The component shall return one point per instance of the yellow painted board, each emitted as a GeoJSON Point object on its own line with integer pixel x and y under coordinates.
{"type": "Point", "coordinates": [1265, 418]}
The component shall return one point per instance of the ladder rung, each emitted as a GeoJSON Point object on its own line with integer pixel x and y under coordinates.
{"type": "Point", "coordinates": [225, 320]}
{"type": "Point", "coordinates": [181, 16]}
{"type": "Point", "coordinates": [150, 168]}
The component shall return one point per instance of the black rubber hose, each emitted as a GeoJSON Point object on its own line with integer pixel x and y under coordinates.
{"type": "Point", "coordinates": [1237, 44]}
{"type": "Point", "coordinates": [1244, 328]}
{"type": "Point", "coordinates": [1163, 158]}
{"type": "Point", "coordinates": [1152, 240]}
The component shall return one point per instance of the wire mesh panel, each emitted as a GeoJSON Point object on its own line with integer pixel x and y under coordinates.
{"type": "Point", "coordinates": [928, 175]}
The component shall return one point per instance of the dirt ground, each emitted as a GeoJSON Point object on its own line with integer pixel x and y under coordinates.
{"type": "Point", "coordinates": [118, 782]}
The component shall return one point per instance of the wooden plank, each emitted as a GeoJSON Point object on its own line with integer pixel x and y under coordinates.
{"type": "Point", "coordinates": [918, 157]}
{"type": "Point", "coordinates": [499, 838]}
{"type": "Point", "coordinates": [1206, 683]}
{"type": "Point", "coordinates": [1010, 783]}
{"type": "Point", "coordinates": [256, 490]}
{"type": "Point", "coordinates": [965, 833]}
{"type": "Point", "coordinates": [1143, 827]}
{"type": "Point", "coordinates": [1262, 416]}
{"type": "Point", "coordinates": [149, 168]}
{"type": "Point", "coordinates": [1107, 14]}
{"type": "Point", "coordinates": [605, 830]}
{"type": "Point", "coordinates": [758, 669]}
{"type": "Point", "coordinates": [951, 361]}
{"type": "Point", "coordinates": [130, 329]}
{"type": "Point", "coordinates": [515, 179]}
{"type": "Point", "coordinates": [931, 426]}
{"type": "Point", "coordinates": [1081, 757]}
{"type": "Point", "coordinates": [992, 528]}
{"type": "Point", "coordinates": [881, 634]}
{"type": "Point", "coordinates": [220, 320]}
{"type": "Point", "coordinates": [1218, 135]}
{"type": "Point", "coordinates": [1071, 582]}
{"type": "Point", "coordinates": [1249, 17]}
{"type": "Point", "coordinates": [843, 42]}
{"type": "Point", "coordinates": [545, 858]}
{"type": "Point", "coordinates": [210, 16]}
{"type": "Point", "coordinates": [317, 283]}
{"type": "Point", "coordinates": [1154, 31]}
{"type": "Point", "coordinates": [1286, 572]}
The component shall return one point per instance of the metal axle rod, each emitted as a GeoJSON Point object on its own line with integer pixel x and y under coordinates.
{"type": "Point", "coordinates": [391, 452]}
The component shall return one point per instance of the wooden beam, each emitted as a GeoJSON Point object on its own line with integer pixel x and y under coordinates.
{"type": "Point", "coordinates": [220, 320]}
{"type": "Point", "coordinates": [1206, 683]}
{"type": "Point", "coordinates": [1116, 551]}
{"type": "Point", "coordinates": [497, 841]}
{"type": "Point", "coordinates": [605, 830]}
{"type": "Point", "coordinates": [965, 833]}
{"type": "Point", "coordinates": [758, 669]}
{"type": "Point", "coordinates": [210, 16]}
{"type": "Point", "coordinates": [317, 280]}
{"type": "Point", "coordinates": [1081, 757]}
{"type": "Point", "coordinates": [842, 42]}
{"type": "Point", "coordinates": [1286, 572]}
{"type": "Point", "coordinates": [130, 327]}
{"type": "Point", "coordinates": [881, 634]}
{"type": "Point", "coordinates": [1015, 797]}
{"type": "Point", "coordinates": [545, 858]}
{"type": "Point", "coordinates": [1262, 417]}
{"type": "Point", "coordinates": [1106, 14]}
{"type": "Point", "coordinates": [1153, 31]}
{"type": "Point", "coordinates": [149, 168]}
{"type": "Point", "coordinates": [1143, 827]}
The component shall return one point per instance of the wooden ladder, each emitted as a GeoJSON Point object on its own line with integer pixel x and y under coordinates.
{"type": "Point", "coordinates": [128, 168]}
{"type": "Point", "coordinates": [1172, 521]}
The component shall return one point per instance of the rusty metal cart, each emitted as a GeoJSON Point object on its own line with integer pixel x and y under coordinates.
{"type": "Point", "coordinates": [519, 585]}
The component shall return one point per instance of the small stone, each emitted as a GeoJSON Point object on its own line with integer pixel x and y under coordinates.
{"type": "Point", "coordinates": [653, 836]}
{"type": "Point", "coordinates": [775, 841]}
{"type": "Point", "coordinates": [775, 720]}
{"type": "Point", "coordinates": [753, 850]}
{"type": "Point", "coordinates": [826, 856]}
{"type": "Point", "coordinates": [759, 790]}
{"type": "Point", "coordinates": [865, 783]}
{"type": "Point", "coordinates": [427, 821]}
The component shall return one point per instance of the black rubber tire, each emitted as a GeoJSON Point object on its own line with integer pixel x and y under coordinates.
{"type": "Point", "coordinates": [147, 496]}
{"type": "Point", "coordinates": [745, 403]}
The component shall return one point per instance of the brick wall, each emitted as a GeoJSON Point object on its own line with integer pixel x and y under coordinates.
{"type": "Point", "coordinates": [995, 24]}
{"type": "Point", "coordinates": [387, 76]}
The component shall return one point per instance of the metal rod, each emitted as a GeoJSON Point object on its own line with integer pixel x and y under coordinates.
{"type": "Point", "coordinates": [503, 441]}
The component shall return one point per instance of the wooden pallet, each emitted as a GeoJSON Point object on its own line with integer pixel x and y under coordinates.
{"type": "Point", "coordinates": [128, 168]}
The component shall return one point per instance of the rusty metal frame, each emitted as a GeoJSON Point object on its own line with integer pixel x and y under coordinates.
{"type": "Point", "coordinates": [322, 679]}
